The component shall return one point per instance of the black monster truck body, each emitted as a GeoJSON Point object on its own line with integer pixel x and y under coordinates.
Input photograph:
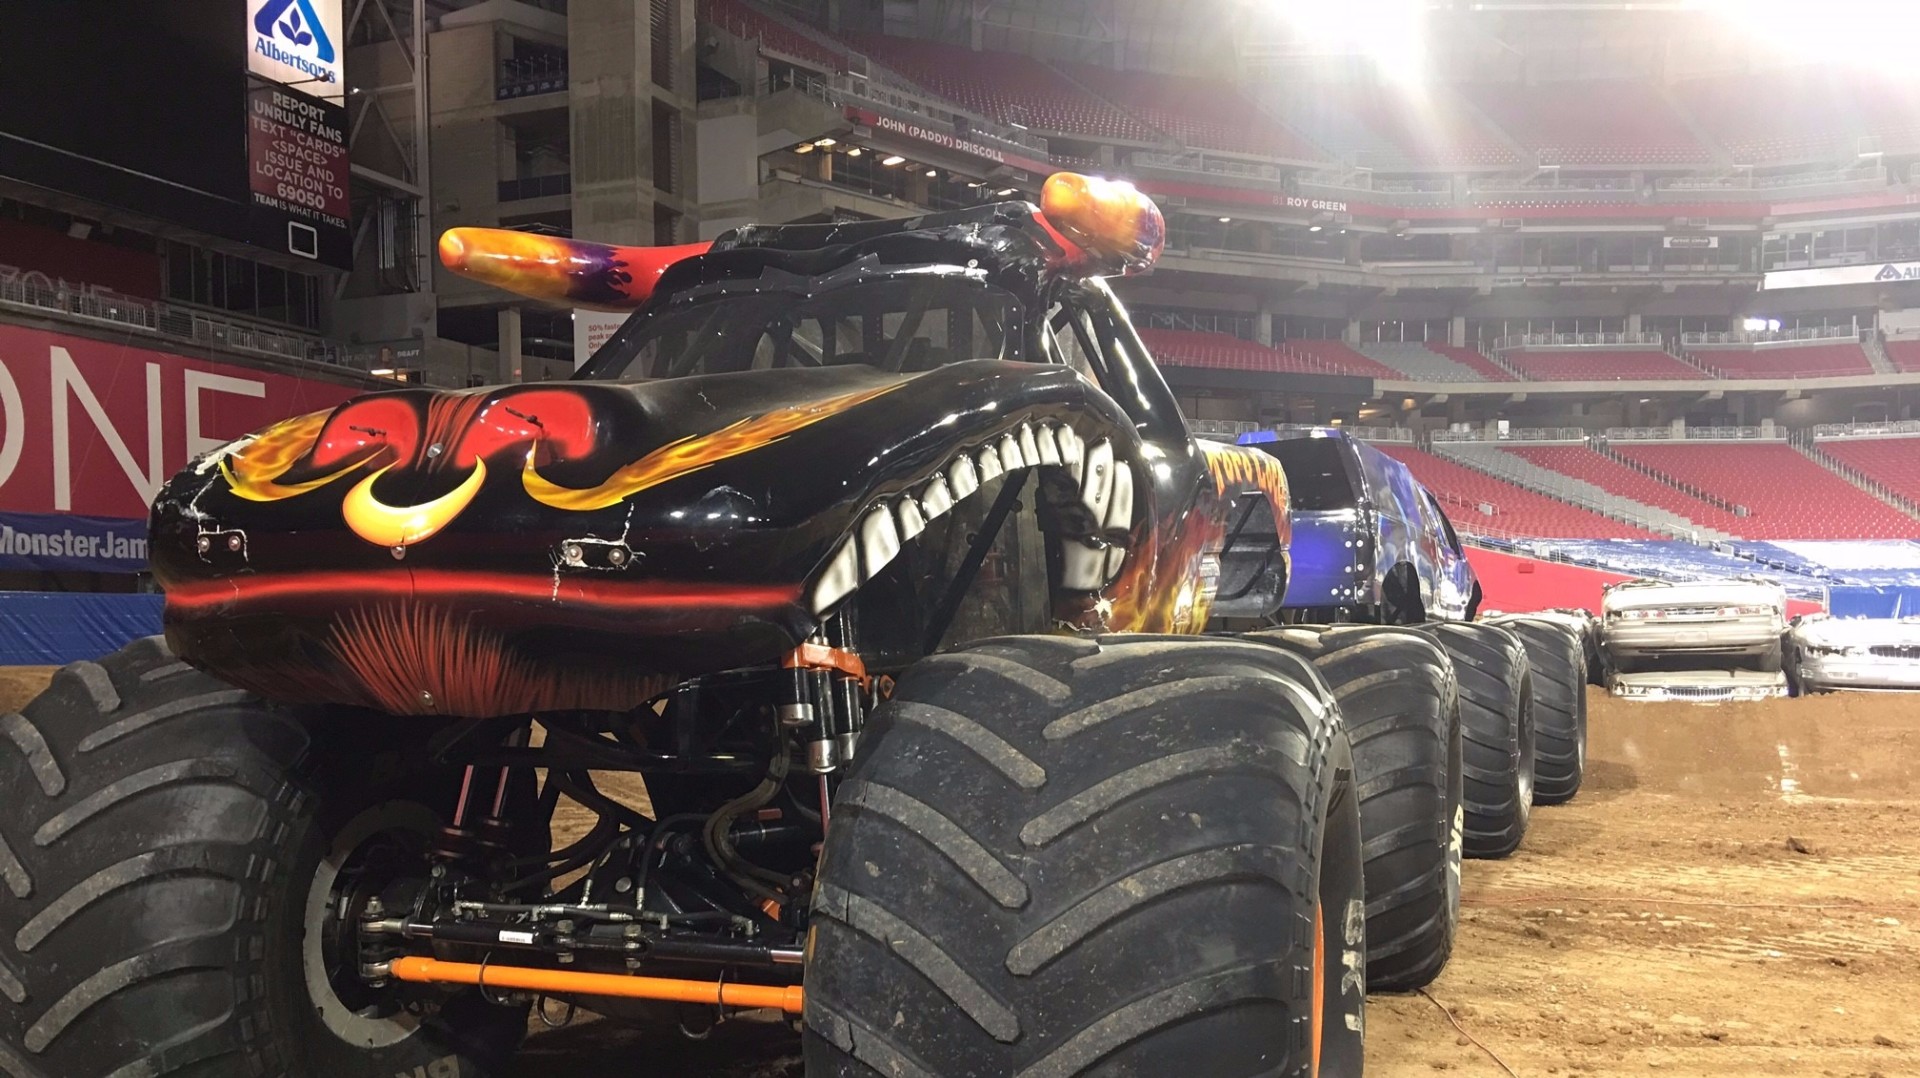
{"type": "Point", "coordinates": [815, 460]}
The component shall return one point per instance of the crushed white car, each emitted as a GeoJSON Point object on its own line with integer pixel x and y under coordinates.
{"type": "Point", "coordinates": [1828, 653]}
{"type": "Point", "coordinates": [1723, 625]}
{"type": "Point", "coordinates": [1699, 686]}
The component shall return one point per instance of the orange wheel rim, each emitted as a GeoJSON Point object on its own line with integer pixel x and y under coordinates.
{"type": "Point", "coordinates": [1319, 983]}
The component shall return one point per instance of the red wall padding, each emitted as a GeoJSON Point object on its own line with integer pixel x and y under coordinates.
{"type": "Point", "coordinates": [1517, 585]}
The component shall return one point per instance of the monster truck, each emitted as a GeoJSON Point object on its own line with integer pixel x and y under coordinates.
{"type": "Point", "coordinates": [1369, 544]}
{"type": "Point", "coordinates": [877, 552]}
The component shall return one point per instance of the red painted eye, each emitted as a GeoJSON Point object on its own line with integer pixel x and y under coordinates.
{"type": "Point", "coordinates": [364, 425]}
{"type": "Point", "coordinates": [559, 419]}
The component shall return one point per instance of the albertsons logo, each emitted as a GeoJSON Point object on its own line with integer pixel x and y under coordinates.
{"type": "Point", "coordinates": [1905, 271]}
{"type": "Point", "coordinates": [297, 34]}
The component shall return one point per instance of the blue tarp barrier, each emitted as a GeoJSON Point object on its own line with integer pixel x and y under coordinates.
{"type": "Point", "coordinates": [40, 628]}
{"type": "Point", "coordinates": [1856, 601]}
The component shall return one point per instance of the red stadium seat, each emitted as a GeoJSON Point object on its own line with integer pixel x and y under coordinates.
{"type": "Point", "coordinates": [1517, 511]}
{"type": "Point", "coordinates": [1471, 358]}
{"type": "Point", "coordinates": [1814, 113]}
{"type": "Point", "coordinates": [1905, 355]}
{"type": "Point", "coordinates": [1599, 365]}
{"type": "Point", "coordinates": [773, 35]}
{"type": "Point", "coordinates": [1610, 475]}
{"type": "Point", "coordinates": [1788, 495]}
{"type": "Point", "coordinates": [1201, 113]}
{"type": "Point", "coordinates": [1008, 87]}
{"type": "Point", "coordinates": [1592, 122]}
{"type": "Point", "coordinates": [1893, 463]}
{"type": "Point", "coordinates": [1824, 360]}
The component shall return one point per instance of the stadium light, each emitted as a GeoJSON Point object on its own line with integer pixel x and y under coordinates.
{"type": "Point", "coordinates": [1392, 32]}
{"type": "Point", "coordinates": [892, 161]}
{"type": "Point", "coordinates": [1880, 32]}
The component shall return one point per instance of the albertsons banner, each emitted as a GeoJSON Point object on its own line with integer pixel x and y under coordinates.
{"type": "Point", "coordinates": [300, 44]}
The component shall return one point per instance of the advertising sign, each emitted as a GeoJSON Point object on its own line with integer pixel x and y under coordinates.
{"type": "Point", "coordinates": [1690, 243]}
{"type": "Point", "coordinates": [63, 542]}
{"type": "Point", "coordinates": [591, 329]}
{"type": "Point", "coordinates": [297, 174]}
{"type": "Point", "coordinates": [92, 428]}
{"type": "Point", "coordinates": [1878, 273]}
{"type": "Point", "coordinates": [298, 43]}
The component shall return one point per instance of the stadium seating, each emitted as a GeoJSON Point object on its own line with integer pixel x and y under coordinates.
{"type": "Point", "coordinates": [1186, 348]}
{"type": "Point", "coordinates": [1823, 360]}
{"type": "Point", "coordinates": [1788, 495]}
{"type": "Point", "coordinates": [1581, 462]}
{"type": "Point", "coordinates": [773, 35]}
{"type": "Point", "coordinates": [1201, 113]}
{"type": "Point", "coordinates": [1009, 87]}
{"type": "Point", "coordinates": [1418, 363]}
{"type": "Point", "coordinates": [1383, 127]}
{"type": "Point", "coordinates": [1473, 360]}
{"type": "Point", "coordinates": [1599, 365]}
{"type": "Point", "coordinates": [1816, 113]}
{"type": "Point", "coordinates": [1516, 510]}
{"type": "Point", "coordinates": [1339, 358]}
{"type": "Point", "coordinates": [1905, 355]}
{"type": "Point", "coordinates": [1893, 463]}
{"type": "Point", "coordinates": [1592, 122]}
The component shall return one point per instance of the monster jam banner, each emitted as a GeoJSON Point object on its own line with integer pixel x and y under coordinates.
{"type": "Point", "coordinates": [297, 173]}
{"type": "Point", "coordinates": [61, 542]}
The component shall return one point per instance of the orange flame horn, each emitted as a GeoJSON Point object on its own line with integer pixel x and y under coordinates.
{"type": "Point", "coordinates": [559, 270]}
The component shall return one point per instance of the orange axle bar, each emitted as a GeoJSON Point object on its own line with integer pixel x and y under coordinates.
{"type": "Point", "coordinates": [552, 981]}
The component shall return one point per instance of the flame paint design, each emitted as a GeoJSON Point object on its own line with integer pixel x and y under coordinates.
{"type": "Point", "coordinates": [598, 275]}
{"type": "Point", "coordinates": [1232, 466]}
{"type": "Point", "coordinates": [690, 454]}
{"type": "Point", "coordinates": [404, 525]}
{"type": "Point", "coordinates": [253, 471]}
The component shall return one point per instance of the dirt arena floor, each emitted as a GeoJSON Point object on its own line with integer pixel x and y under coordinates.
{"type": "Point", "coordinates": [1736, 892]}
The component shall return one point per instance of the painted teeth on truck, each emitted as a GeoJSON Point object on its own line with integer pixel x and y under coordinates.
{"type": "Point", "coordinates": [1029, 448]}
{"type": "Point", "coordinates": [935, 498]}
{"type": "Point", "coordinates": [1096, 486]}
{"type": "Point", "coordinates": [962, 477]}
{"type": "Point", "coordinates": [912, 523]}
{"type": "Point", "coordinates": [990, 466]}
{"type": "Point", "coordinates": [838, 579]}
{"type": "Point", "coordinates": [1089, 564]}
{"type": "Point", "coordinates": [879, 541]}
{"type": "Point", "coordinates": [1120, 505]}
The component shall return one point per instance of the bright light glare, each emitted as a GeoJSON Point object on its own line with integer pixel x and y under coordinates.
{"type": "Point", "coordinates": [1876, 31]}
{"type": "Point", "coordinates": [1392, 32]}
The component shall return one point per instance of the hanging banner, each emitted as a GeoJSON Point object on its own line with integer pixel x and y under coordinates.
{"type": "Point", "coordinates": [63, 542]}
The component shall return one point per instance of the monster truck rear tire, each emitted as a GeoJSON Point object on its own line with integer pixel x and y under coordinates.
{"type": "Point", "coordinates": [1496, 726]}
{"type": "Point", "coordinates": [1396, 692]}
{"type": "Point", "coordinates": [1557, 661]}
{"type": "Point", "coordinates": [1137, 855]}
{"type": "Point", "coordinates": [160, 836]}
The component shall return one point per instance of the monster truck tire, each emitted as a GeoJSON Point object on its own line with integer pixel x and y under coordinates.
{"type": "Point", "coordinates": [1396, 692]}
{"type": "Point", "coordinates": [1558, 663]}
{"type": "Point", "coordinates": [159, 837]}
{"type": "Point", "coordinates": [1496, 728]}
{"type": "Point", "coordinates": [1136, 855]}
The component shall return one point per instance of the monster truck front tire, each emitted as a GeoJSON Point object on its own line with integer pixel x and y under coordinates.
{"type": "Point", "coordinates": [161, 836]}
{"type": "Point", "coordinates": [1396, 692]}
{"type": "Point", "coordinates": [1136, 855]}
{"type": "Point", "coordinates": [1556, 658]}
{"type": "Point", "coordinates": [1497, 738]}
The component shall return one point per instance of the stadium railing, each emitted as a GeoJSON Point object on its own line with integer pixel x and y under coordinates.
{"type": "Point", "coordinates": [1576, 340]}
{"type": "Point", "coordinates": [80, 303]}
{"type": "Point", "coordinates": [1900, 428]}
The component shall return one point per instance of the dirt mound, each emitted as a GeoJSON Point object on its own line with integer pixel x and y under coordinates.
{"type": "Point", "coordinates": [20, 684]}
